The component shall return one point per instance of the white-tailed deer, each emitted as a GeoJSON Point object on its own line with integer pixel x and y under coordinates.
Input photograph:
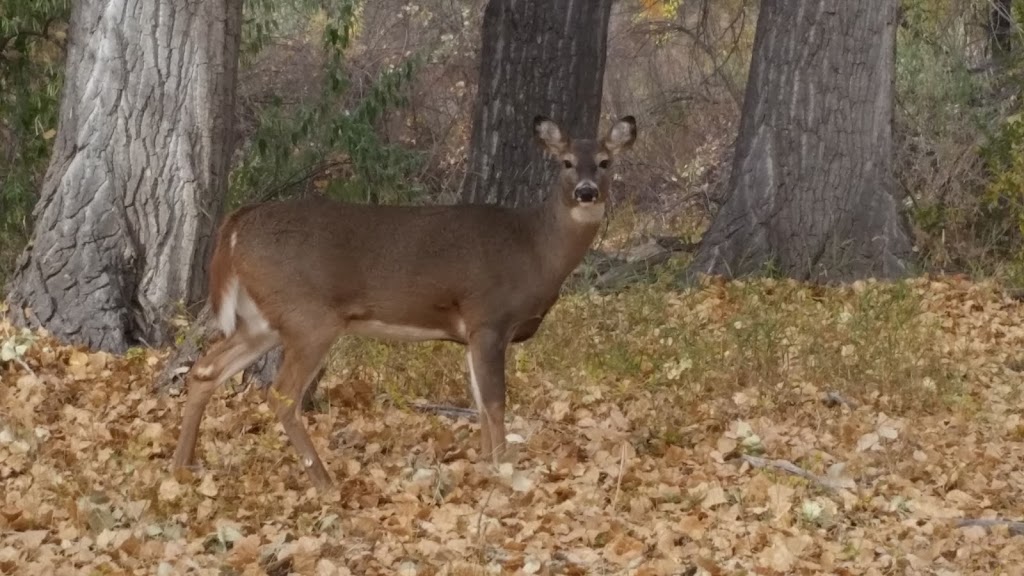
{"type": "Point", "coordinates": [300, 273]}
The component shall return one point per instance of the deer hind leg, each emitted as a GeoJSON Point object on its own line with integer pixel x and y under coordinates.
{"type": "Point", "coordinates": [486, 359]}
{"type": "Point", "coordinates": [301, 363]}
{"type": "Point", "coordinates": [224, 359]}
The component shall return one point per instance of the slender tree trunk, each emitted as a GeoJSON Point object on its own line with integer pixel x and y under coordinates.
{"type": "Point", "coordinates": [538, 57]}
{"type": "Point", "coordinates": [1000, 28]}
{"type": "Point", "coordinates": [123, 227]}
{"type": "Point", "coordinates": [811, 189]}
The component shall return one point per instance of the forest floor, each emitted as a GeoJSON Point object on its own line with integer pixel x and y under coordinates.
{"type": "Point", "coordinates": [640, 421]}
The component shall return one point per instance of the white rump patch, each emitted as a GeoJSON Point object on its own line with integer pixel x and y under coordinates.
{"type": "Point", "coordinates": [250, 313]}
{"type": "Point", "coordinates": [228, 307]}
{"type": "Point", "coordinates": [235, 303]}
{"type": "Point", "coordinates": [377, 329]}
{"type": "Point", "coordinates": [587, 213]}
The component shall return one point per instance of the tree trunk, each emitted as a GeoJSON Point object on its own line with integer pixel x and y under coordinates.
{"type": "Point", "coordinates": [811, 193]}
{"type": "Point", "coordinates": [537, 57]}
{"type": "Point", "coordinates": [1000, 28]}
{"type": "Point", "coordinates": [135, 186]}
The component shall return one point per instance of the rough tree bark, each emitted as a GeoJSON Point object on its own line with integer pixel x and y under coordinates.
{"type": "Point", "coordinates": [811, 192]}
{"type": "Point", "coordinates": [123, 226]}
{"type": "Point", "coordinates": [537, 57]}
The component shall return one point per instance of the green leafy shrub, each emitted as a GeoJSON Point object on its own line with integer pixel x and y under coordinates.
{"type": "Point", "coordinates": [32, 36]}
{"type": "Point", "coordinates": [332, 142]}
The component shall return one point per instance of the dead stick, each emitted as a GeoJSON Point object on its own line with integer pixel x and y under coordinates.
{"type": "Point", "coordinates": [480, 526]}
{"type": "Point", "coordinates": [787, 466]}
{"type": "Point", "coordinates": [618, 483]}
{"type": "Point", "coordinates": [834, 398]}
{"type": "Point", "coordinates": [1016, 528]}
{"type": "Point", "coordinates": [25, 366]}
{"type": "Point", "coordinates": [451, 411]}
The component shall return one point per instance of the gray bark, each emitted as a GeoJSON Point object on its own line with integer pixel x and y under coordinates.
{"type": "Point", "coordinates": [123, 227]}
{"type": "Point", "coordinates": [536, 58]}
{"type": "Point", "coordinates": [811, 191]}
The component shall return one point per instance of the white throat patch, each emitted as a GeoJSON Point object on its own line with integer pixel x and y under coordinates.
{"type": "Point", "coordinates": [587, 213]}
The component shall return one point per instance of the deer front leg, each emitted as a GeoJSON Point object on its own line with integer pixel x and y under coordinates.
{"type": "Point", "coordinates": [486, 359]}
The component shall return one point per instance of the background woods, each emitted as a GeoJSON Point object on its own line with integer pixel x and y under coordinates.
{"type": "Point", "coordinates": [843, 395]}
{"type": "Point", "coordinates": [397, 102]}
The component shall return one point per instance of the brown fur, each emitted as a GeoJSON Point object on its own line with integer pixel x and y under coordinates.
{"type": "Point", "coordinates": [481, 276]}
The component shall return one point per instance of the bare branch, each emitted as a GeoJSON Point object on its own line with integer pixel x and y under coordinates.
{"type": "Point", "coordinates": [833, 398]}
{"type": "Point", "coordinates": [828, 482]}
{"type": "Point", "coordinates": [1016, 528]}
{"type": "Point", "coordinates": [449, 411]}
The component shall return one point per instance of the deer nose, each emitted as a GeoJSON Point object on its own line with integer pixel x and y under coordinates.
{"type": "Point", "coordinates": [585, 192]}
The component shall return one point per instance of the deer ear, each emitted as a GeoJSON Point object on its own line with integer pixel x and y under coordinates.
{"type": "Point", "coordinates": [621, 135]}
{"type": "Point", "coordinates": [549, 135]}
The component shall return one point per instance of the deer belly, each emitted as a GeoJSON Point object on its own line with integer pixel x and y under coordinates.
{"type": "Point", "coordinates": [405, 333]}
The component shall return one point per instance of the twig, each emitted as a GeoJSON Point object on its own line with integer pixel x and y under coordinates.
{"type": "Point", "coordinates": [833, 398]}
{"type": "Point", "coordinates": [618, 482]}
{"type": "Point", "coordinates": [785, 465]}
{"type": "Point", "coordinates": [312, 171]}
{"type": "Point", "coordinates": [24, 365]}
{"type": "Point", "coordinates": [1016, 528]}
{"type": "Point", "coordinates": [480, 524]}
{"type": "Point", "coordinates": [450, 411]}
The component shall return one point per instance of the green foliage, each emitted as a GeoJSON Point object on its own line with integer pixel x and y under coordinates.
{"type": "Point", "coordinates": [934, 84]}
{"type": "Point", "coordinates": [32, 35]}
{"type": "Point", "coordinates": [265, 20]}
{"type": "Point", "coordinates": [1004, 194]}
{"type": "Point", "coordinates": [959, 154]}
{"type": "Point", "coordinates": [773, 339]}
{"type": "Point", "coordinates": [331, 135]}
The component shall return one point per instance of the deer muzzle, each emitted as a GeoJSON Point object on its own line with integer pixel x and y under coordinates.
{"type": "Point", "coordinates": [585, 192]}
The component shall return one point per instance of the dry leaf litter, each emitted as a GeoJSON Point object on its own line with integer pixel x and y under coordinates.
{"type": "Point", "coordinates": [85, 444]}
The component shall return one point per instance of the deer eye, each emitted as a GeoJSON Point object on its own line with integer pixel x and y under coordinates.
{"type": "Point", "coordinates": [603, 164]}
{"type": "Point", "coordinates": [567, 163]}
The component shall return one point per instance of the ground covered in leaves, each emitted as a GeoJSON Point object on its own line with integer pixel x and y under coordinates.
{"type": "Point", "coordinates": [738, 428]}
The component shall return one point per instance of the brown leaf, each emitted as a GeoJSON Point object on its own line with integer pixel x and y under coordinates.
{"type": "Point", "coordinates": [623, 550]}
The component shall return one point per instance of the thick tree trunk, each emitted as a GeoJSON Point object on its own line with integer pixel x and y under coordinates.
{"type": "Point", "coordinates": [537, 58]}
{"type": "Point", "coordinates": [1000, 28]}
{"type": "Point", "coordinates": [811, 190]}
{"type": "Point", "coordinates": [123, 227]}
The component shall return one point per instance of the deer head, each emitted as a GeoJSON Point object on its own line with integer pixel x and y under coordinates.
{"type": "Point", "coordinates": [585, 177]}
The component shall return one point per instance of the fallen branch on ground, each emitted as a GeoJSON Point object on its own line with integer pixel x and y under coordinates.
{"type": "Point", "coordinates": [450, 411]}
{"type": "Point", "coordinates": [833, 398]}
{"type": "Point", "coordinates": [1016, 528]}
{"type": "Point", "coordinates": [830, 482]}
{"type": "Point", "coordinates": [24, 366]}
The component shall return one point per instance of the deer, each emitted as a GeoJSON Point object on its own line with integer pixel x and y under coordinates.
{"type": "Point", "coordinates": [301, 273]}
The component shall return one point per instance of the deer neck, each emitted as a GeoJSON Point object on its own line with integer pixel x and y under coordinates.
{"type": "Point", "coordinates": [567, 233]}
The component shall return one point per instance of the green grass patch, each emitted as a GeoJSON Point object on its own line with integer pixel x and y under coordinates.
{"type": "Point", "coordinates": [769, 339]}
